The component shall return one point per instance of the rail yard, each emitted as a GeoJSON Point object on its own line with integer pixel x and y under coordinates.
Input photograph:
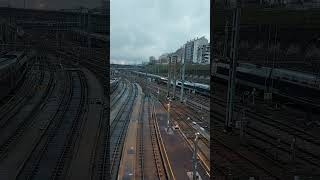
{"type": "Point", "coordinates": [54, 100]}
{"type": "Point", "coordinates": [144, 143]}
{"type": "Point", "coordinates": [66, 113]}
{"type": "Point", "coordinates": [265, 97]}
{"type": "Point", "coordinates": [55, 108]}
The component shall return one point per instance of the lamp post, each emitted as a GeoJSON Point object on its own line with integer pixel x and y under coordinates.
{"type": "Point", "coordinates": [182, 74]}
{"type": "Point", "coordinates": [169, 77]}
{"type": "Point", "coordinates": [168, 114]}
{"type": "Point", "coordinates": [194, 174]}
{"type": "Point", "coordinates": [158, 92]}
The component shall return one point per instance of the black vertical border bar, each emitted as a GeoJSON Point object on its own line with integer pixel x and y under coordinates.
{"type": "Point", "coordinates": [107, 88]}
{"type": "Point", "coordinates": [212, 41]}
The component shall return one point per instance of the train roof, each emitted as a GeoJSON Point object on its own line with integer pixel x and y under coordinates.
{"type": "Point", "coordinates": [203, 86]}
{"type": "Point", "coordinates": [297, 74]}
{"type": "Point", "coordinates": [200, 85]}
{"type": "Point", "coordinates": [288, 75]}
{"type": "Point", "coordinates": [264, 71]}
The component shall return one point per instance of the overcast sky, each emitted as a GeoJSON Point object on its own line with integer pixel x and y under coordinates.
{"type": "Point", "coordinates": [143, 28]}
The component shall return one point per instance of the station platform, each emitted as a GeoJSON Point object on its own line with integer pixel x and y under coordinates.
{"type": "Point", "coordinates": [177, 149]}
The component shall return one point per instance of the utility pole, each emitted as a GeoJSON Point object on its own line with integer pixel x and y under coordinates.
{"type": "Point", "coordinates": [183, 72]}
{"type": "Point", "coordinates": [226, 33]}
{"type": "Point", "coordinates": [174, 76]}
{"type": "Point", "coordinates": [168, 115]}
{"type": "Point", "coordinates": [232, 68]}
{"type": "Point", "coordinates": [169, 76]}
{"type": "Point", "coordinates": [88, 28]}
{"type": "Point", "coordinates": [146, 81]}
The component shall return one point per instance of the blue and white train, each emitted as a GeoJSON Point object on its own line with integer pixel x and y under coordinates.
{"type": "Point", "coordinates": [298, 86]}
{"type": "Point", "coordinates": [203, 89]}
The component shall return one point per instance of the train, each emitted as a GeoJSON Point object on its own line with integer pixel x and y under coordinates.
{"type": "Point", "coordinates": [113, 84]}
{"type": "Point", "coordinates": [298, 86]}
{"type": "Point", "coordinates": [199, 88]}
{"type": "Point", "coordinates": [13, 66]}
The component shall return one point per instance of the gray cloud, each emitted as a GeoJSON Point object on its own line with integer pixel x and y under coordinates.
{"type": "Point", "coordinates": [144, 28]}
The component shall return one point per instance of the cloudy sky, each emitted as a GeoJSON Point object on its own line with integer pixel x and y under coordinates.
{"type": "Point", "coordinates": [143, 28]}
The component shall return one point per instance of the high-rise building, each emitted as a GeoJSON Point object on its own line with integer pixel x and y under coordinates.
{"type": "Point", "coordinates": [152, 60]}
{"type": "Point", "coordinates": [179, 52]}
{"type": "Point", "coordinates": [203, 55]}
{"type": "Point", "coordinates": [163, 59]}
{"type": "Point", "coordinates": [188, 52]}
{"type": "Point", "coordinates": [191, 49]}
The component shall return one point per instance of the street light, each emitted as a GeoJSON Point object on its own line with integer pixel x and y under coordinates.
{"type": "Point", "coordinates": [195, 177]}
{"type": "Point", "coordinates": [158, 92]}
{"type": "Point", "coordinates": [168, 113]}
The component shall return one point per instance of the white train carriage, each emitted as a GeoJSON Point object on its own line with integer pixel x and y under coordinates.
{"type": "Point", "coordinates": [203, 89]}
{"type": "Point", "coordinates": [293, 84]}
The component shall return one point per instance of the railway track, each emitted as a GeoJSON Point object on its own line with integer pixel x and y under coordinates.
{"type": "Point", "coordinates": [263, 135]}
{"type": "Point", "coordinates": [150, 156]}
{"type": "Point", "coordinates": [117, 133]}
{"type": "Point", "coordinates": [277, 124]}
{"type": "Point", "coordinates": [15, 128]}
{"type": "Point", "coordinates": [21, 84]}
{"type": "Point", "coordinates": [64, 160]}
{"type": "Point", "coordinates": [194, 113]}
{"type": "Point", "coordinates": [141, 141]}
{"type": "Point", "coordinates": [116, 90]}
{"type": "Point", "coordinates": [50, 156]}
{"type": "Point", "coordinates": [194, 116]}
{"type": "Point", "coordinates": [230, 162]}
{"type": "Point", "coordinates": [114, 87]}
{"type": "Point", "coordinates": [117, 97]}
{"type": "Point", "coordinates": [204, 101]}
{"type": "Point", "coordinates": [187, 129]}
{"type": "Point", "coordinates": [20, 98]}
